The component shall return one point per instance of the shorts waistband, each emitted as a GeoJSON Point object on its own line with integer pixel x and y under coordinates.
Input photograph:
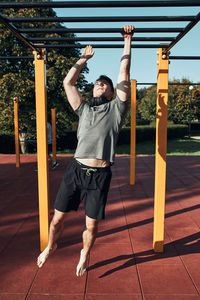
{"type": "Point", "coordinates": [97, 169]}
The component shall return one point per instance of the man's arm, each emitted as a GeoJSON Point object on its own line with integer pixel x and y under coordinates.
{"type": "Point", "coordinates": [73, 94]}
{"type": "Point", "coordinates": [123, 81]}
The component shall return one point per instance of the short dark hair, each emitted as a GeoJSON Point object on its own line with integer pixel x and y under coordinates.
{"type": "Point", "coordinates": [106, 78]}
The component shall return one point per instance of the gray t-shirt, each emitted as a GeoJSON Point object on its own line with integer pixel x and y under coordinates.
{"type": "Point", "coordinates": [99, 128]}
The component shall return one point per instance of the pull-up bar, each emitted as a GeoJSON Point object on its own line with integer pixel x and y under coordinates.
{"type": "Point", "coordinates": [87, 4]}
{"type": "Point", "coordinates": [184, 57]}
{"type": "Point", "coordinates": [95, 30]}
{"type": "Point", "coordinates": [16, 57]}
{"type": "Point", "coordinates": [170, 58]}
{"type": "Point", "coordinates": [170, 83]}
{"type": "Point", "coordinates": [99, 39]}
{"type": "Point", "coordinates": [100, 46]}
{"type": "Point", "coordinates": [103, 19]}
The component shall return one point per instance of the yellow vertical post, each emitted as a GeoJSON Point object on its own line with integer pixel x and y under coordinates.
{"type": "Point", "coordinates": [42, 152]}
{"type": "Point", "coordinates": [16, 126]}
{"type": "Point", "coordinates": [53, 126]}
{"type": "Point", "coordinates": [161, 150]}
{"type": "Point", "coordinates": [133, 131]}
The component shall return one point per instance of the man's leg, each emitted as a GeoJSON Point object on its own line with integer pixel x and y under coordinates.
{"type": "Point", "coordinates": [55, 231]}
{"type": "Point", "coordinates": [89, 236]}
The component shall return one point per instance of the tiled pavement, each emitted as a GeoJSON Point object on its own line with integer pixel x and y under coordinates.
{"type": "Point", "coordinates": [122, 264]}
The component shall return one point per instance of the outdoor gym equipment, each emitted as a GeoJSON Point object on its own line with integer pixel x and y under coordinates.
{"type": "Point", "coordinates": [163, 57]}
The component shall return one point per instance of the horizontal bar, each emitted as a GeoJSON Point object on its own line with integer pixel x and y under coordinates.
{"type": "Point", "coordinates": [14, 30]}
{"type": "Point", "coordinates": [100, 46]}
{"type": "Point", "coordinates": [104, 19]}
{"type": "Point", "coordinates": [99, 39]}
{"type": "Point", "coordinates": [16, 57]}
{"type": "Point", "coordinates": [31, 57]}
{"type": "Point", "coordinates": [86, 4]}
{"type": "Point", "coordinates": [185, 57]}
{"type": "Point", "coordinates": [96, 30]}
{"type": "Point", "coordinates": [170, 83]}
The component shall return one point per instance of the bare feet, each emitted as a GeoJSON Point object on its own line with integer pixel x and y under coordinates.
{"type": "Point", "coordinates": [81, 267]}
{"type": "Point", "coordinates": [44, 255]}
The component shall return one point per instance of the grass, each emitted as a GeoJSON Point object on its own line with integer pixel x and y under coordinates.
{"type": "Point", "coordinates": [184, 146]}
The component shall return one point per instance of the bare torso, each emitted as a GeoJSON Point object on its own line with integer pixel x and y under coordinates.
{"type": "Point", "coordinates": [94, 162]}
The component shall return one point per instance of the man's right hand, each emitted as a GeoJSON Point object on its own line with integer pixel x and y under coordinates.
{"type": "Point", "coordinates": [87, 52]}
{"type": "Point", "coordinates": [128, 31]}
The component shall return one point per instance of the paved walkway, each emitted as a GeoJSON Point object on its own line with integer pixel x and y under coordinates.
{"type": "Point", "coordinates": [122, 264]}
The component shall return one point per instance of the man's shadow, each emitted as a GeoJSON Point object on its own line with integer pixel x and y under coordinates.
{"type": "Point", "coordinates": [181, 247]}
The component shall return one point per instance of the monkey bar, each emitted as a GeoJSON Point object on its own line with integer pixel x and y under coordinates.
{"type": "Point", "coordinates": [164, 44]}
{"type": "Point", "coordinates": [87, 4]}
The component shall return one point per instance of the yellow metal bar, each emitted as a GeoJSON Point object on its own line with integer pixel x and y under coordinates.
{"type": "Point", "coordinates": [133, 131]}
{"type": "Point", "coordinates": [16, 125]}
{"type": "Point", "coordinates": [161, 150]}
{"type": "Point", "coordinates": [53, 126]}
{"type": "Point", "coordinates": [42, 147]}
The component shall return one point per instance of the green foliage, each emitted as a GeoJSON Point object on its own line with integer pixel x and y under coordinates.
{"type": "Point", "coordinates": [17, 76]}
{"type": "Point", "coordinates": [182, 103]}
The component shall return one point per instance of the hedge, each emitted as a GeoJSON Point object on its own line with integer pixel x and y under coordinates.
{"type": "Point", "coordinates": [144, 133]}
{"type": "Point", "coordinates": [7, 144]}
{"type": "Point", "coordinates": [69, 141]}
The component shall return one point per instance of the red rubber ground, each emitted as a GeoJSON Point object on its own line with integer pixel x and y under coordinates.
{"type": "Point", "coordinates": [122, 264]}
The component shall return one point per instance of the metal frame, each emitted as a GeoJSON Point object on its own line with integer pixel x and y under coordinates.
{"type": "Point", "coordinates": [32, 41]}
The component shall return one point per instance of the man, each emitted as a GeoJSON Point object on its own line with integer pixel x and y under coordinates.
{"type": "Point", "coordinates": [88, 176]}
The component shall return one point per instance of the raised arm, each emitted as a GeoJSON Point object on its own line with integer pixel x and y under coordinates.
{"type": "Point", "coordinates": [73, 94]}
{"type": "Point", "coordinates": [123, 81]}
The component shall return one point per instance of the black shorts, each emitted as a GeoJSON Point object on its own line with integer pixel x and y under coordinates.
{"type": "Point", "coordinates": [84, 182]}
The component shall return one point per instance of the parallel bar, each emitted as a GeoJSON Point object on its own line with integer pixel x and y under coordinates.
{"type": "Point", "coordinates": [86, 4]}
{"type": "Point", "coordinates": [42, 155]}
{"type": "Point", "coordinates": [16, 57]}
{"type": "Point", "coordinates": [91, 39]}
{"type": "Point", "coordinates": [133, 131]}
{"type": "Point", "coordinates": [53, 127]}
{"type": "Point", "coordinates": [172, 83]}
{"type": "Point", "coordinates": [161, 150]}
{"type": "Point", "coordinates": [16, 126]}
{"type": "Point", "coordinates": [14, 30]}
{"type": "Point", "coordinates": [99, 39]}
{"type": "Point", "coordinates": [97, 30]}
{"type": "Point", "coordinates": [103, 19]}
{"type": "Point", "coordinates": [185, 57]}
{"type": "Point", "coordinates": [186, 30]}
{"type": "Point", "coordinates": [101, 46]}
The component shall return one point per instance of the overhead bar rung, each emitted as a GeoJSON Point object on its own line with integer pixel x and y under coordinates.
{"type": "Point", "coordinates": [170, 83]}
{"type": "Point", "coordinates": [101, 46]}
{"type": "Point", "coordinates": [103, 19]}
{"type": "Point", "coordinates": [184, 57]}
{"type": "Point", "coordinates": [96, 30]}
{"type": "Point", "coordinates": [98, 39]}
{"type": "Point", "coordinates": [16, 57]}
{"type": "Point", "coordinates": [86, 4]}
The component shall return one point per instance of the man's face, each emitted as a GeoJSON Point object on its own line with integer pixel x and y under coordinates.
{"type": "Point", "coordinates": [102, 88]}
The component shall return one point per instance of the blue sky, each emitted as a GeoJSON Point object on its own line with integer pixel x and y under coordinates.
{"type": "Point", "coordinates": [143, 64]}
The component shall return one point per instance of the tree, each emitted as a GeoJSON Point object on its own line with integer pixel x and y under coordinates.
{"type": "Point", "coordinates": [17, 77]}
{"type": "Point", "coordinates": [179, 99]}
